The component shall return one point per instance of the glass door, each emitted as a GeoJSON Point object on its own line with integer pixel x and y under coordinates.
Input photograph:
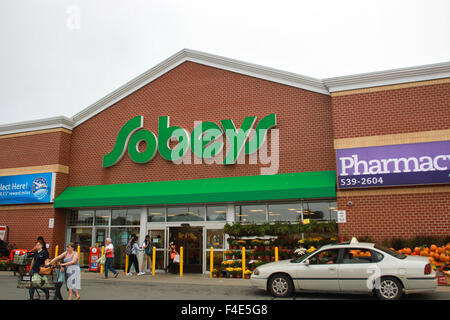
{"type": "Point", "coordinates": [82, 236]}
{"type": "Point", "coordinates": [158, 240]}
{"type": "Point", "coordinates": [99, 238]}
{"type": "Point", "coordinates": [191, 239]}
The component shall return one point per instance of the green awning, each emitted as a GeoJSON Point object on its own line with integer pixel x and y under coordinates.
{"type": "Point", "coordinates": [302, 185]}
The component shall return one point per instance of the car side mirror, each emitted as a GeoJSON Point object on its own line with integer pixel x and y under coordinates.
{"type": "Point", "coordinates": [306, 262]}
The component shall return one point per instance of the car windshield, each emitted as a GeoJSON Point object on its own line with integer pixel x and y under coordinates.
{"type": "Point", "coordinates": [303, 257]}
{"type": "Point", "coordinates": [391, 252]}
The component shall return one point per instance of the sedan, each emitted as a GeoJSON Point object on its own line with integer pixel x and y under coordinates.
{"type": "Point", "coordinates": [350, 268]}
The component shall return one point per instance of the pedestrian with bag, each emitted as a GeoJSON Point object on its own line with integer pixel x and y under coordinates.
{"type": "Point", "coordinates": [148, 251]}
{"type": "Point", "coordinates": [172, 257]}
{"type": "Point", "coordinates": [72, 270]}
{"type": "Point", "coordinates": [131, 250]}
{"type": "Point", "coordinates": [39, 258]}
{"type": "Point", "coordinates": [58, 277]}
{"type": "Point", "coordinates": [109, 255]}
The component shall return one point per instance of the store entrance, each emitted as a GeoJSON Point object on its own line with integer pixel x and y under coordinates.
{"type": "Point", "coordinates": [191, 239]}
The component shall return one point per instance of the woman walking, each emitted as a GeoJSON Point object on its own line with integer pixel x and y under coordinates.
{"type": "Point", "coordinates": [109, 255]}
{"type": "Point", "coordinates": [172, 253]}
{"type": "Point", "coordinates": [72, 270]}
{"type": "Point", "coordinates": [147, 246]}
{"type": "Point", "coordinates": [132, 257]}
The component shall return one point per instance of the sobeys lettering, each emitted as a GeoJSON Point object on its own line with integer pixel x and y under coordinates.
{"type": "Point", "coordinates": [205, 141]}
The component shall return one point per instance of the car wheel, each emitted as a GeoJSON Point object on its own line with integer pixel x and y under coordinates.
{"type": "Point", "coordinates": [280, 285]}
{"type": "Point", "coordinates": [389, 289]}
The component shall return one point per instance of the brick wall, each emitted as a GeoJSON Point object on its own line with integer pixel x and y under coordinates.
{"type": "Point", "coordinates": [396, 216]}
{"type": "Point", "coordinates": [193, 92]}
{"type": "Point", "coordinates": [35, 150]}
{"type": "Point", "coordinates": [31, 221]}
{"type": "Point", "coordinates": [394, 112]}
{"type": "Point", "coordinates": [25, 225]}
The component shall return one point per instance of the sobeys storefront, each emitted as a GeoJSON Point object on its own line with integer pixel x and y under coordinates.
{"type": "Point", "coordinates": [159, 209]}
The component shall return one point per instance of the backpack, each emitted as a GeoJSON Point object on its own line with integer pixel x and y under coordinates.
{"type": "Point", "coordinates": [149, 249]}
{"type": "Point", "coordinates": [128, 248]}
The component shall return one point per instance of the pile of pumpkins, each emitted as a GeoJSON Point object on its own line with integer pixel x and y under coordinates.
{"type": "Point", "coordinates": [439, 256]}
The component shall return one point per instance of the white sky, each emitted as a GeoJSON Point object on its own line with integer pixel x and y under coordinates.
{"type": "Point", "coordinates": [54, 61]}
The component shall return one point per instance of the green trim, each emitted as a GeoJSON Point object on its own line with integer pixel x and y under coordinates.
{"type": "Point", "coordinates": [302, 185]}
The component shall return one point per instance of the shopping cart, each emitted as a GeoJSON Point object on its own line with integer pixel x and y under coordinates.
{"type": "Point", "coordinates": [26, 280]}
{"type": "Point", "coordinates": [21, 263]}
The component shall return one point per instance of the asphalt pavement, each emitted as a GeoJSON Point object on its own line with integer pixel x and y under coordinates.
{"type": "Point", "coordinates": [164, 286]}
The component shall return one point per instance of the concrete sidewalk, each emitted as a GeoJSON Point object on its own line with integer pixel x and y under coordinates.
{"type": "Point", "coordinates": [188, 278]}
{"type": "Point", "coordinates": [162, 277]}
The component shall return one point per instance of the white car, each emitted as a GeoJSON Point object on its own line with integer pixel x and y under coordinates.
{"type": "Point", "coordinates": [348, 267]}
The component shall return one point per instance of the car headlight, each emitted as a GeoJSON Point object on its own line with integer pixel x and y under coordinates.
{"type": "Point", "coordinates": [256, 272]}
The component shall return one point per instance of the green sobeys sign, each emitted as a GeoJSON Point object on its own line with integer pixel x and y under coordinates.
{"type": "Point", "coordinates": [205, 141]}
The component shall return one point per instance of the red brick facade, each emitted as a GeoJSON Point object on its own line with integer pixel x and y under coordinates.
{"type": "Point", "coordinates": [25, 225]}
{"type": "Point", "coordinates": [407, 110]}
{"type": "Point", "coordinates": [392, 111]}
{"type": "Point", "coordinates": [193, 92]}
{"type": "Point", "coordinates": [308, 123]}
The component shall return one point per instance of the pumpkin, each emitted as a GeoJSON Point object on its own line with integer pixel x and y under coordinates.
{"type": "Point", "coordinates": [443, 258]}
{"type": "Point", "coordinates": [417, 250]}
{"type": "Point", "coordinates": [407, 251]}
{"type": "Point", "coordinates": [436, 256]}
{"type": "Point", "coordinates": [433, 247]}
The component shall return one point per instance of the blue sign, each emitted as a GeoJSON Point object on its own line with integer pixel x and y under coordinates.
{"type": "Point", "coordinates": [27, 188]}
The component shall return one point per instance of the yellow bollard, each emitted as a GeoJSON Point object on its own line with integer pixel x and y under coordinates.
{"type": "Point", "coordinates": [276, 253]}
{"type": "Point", "coordinates": [102, 266]}
{"type": "Point", "coordinates": [79, 255]}
{"type": "Point", "coordinates": [243, 262]}
{"type": "Point", "coordinates": [181, 261]}
{"type": "Point", "coordinates": [126, 263]}
{"type": "Point", "coordinates": [56, 250]}
{"type": "Point", "coordinates": [153, 261]}
{"type": "Point", "coordinates": [211, 262]}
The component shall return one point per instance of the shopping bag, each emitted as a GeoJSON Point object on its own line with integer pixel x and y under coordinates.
{"type": "Point", "coordinates": [102, 259]}
{"type": "Point", "coordinates": [176, 259]}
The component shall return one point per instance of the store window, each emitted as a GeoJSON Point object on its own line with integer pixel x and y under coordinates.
{"type": "Point", "coordinates": [81, 218]}
{"type": "Point", "coordinates": [102, 217]}
{"type": "Point", "coordinates": [216, 213]}
{"type": "Point", "coordinates": [214, 238]}
{"type": "Point", "coordinates": [291, 212]}
{"type": "Point", "coordinates": [156, 215]}
{"type": "Point", "coordinates": [120, 237]}
{"type": "Point", "coordinates": [186, 214]}
{"type": "Point", "coordinates": [251, 213]}
{"type": "Point", "coordinates": [126, 217]}
{"type": "Point", "coordinates": [321, 211]}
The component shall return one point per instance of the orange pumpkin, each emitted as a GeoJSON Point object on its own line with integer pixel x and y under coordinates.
{"type": "Point", "coordinates": [436, 256]}
{"type": "Point", "coordinates": [433, 247]}
{"type": "Point", "coordinates": [439, 250]}
{"type": "Point", "coordinates": [407, 251]}
{"type": "Point", "coordinates": [443, 258]}
{"type": "Point", "coordinates": [417, 250]}
{"type": "Point", "coordinates": [423, 253]}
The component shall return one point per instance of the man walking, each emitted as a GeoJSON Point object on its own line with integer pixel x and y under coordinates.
{"type": "Point", "coordinates": [109, 254]}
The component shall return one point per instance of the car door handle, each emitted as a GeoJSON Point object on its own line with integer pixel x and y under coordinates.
{"type": "Point", "coordinates": [332, 268]}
